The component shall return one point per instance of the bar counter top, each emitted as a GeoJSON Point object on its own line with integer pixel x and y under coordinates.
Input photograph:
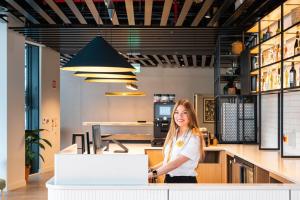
{"type": "Point", "coordinates": [271, 161]}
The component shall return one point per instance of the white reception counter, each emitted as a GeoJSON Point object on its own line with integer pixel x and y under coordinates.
{"type": "Point", "coordinates": [84, 177]}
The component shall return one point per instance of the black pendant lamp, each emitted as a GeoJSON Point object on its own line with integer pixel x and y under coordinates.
{"type": "Point", "coordinates": [105, 74]}
{"type": "Point", "coordinates": [98, 56]}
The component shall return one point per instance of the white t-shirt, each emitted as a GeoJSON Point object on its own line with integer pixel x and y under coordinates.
{"type": "Point", "coordinates": [190, 149]}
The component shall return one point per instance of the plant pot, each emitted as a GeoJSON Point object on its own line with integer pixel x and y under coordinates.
{"type": "Point", "coordinates": [27, 172]}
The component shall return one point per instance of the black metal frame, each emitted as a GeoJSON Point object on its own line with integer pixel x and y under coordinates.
{"type": "Point", "coordinates": [32, 97]}
{"type": "Point", "coordinates": [280, 91]}
{"type": "Point", "coordinates": [238, 98]}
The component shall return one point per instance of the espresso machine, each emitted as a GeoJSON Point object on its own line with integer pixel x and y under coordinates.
{"type": "Point", "coordinates": [161, 122]}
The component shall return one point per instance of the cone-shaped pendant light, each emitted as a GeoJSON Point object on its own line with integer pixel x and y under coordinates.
{"type": "Point", "coordinates": [98, 56]}
{"type": "Point", "coordinates": [105, 74]}
{"type": "Point", "coordinates": [110, 80]}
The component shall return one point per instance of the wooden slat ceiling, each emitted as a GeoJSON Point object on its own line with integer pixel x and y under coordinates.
{"type": "Point", "coordinates": [168, 32]}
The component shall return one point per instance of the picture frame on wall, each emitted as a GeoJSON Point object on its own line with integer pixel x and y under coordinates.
{"type": "Point", "coordinates": [208, 110]}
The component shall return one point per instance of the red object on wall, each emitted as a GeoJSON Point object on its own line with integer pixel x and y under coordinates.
{"type": "Point", "coordinates": [54, 84]}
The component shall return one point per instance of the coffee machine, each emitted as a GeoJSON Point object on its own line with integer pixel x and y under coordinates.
{"type": "Point", "coordinates": [162, 121]}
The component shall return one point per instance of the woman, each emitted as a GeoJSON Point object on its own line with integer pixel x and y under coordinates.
{"type": "Point", "coordinates": [183, 147]}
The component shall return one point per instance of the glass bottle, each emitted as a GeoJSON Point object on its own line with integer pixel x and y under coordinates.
{"type": "Point", "coordinates": [285, 50]}
{"type": "Point", "coordinates": [292, 76]}
{"type": "Point", "coordinates": [297, 44]}
{"type": "Point", "coordinates": [278, 77]}
{"type": "Point", "coordinates": [286, 77]}
{"type": "Point", "coordinates": [278, 27]}
{"type": "Point", "coordinates": [268, 33]}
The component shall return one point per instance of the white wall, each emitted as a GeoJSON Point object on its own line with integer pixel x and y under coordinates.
{"type": "Point", "coordinates": [50, 105]}
{"type": "Point", "coordinates": [82, 101]}
{"type": "Point", "coordinates": [12, 160]}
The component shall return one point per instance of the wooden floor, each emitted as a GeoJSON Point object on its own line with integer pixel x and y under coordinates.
{"type": "Point", "coordinates": [35, 190]}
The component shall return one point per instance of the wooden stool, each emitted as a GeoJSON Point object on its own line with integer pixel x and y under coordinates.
{"type": "Point", "coordinates": [81, 136]}
{"type": "Point", "coordinates": [2, 186]}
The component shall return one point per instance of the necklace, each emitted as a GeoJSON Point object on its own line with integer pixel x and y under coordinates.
{"type": "Point", "coordinates": [180, 142]}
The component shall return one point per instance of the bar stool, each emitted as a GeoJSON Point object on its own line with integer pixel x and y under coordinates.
{"type": "Point", "coordinates": [2, 186]}
{"type": "Point", "coordinates": [81, 136]}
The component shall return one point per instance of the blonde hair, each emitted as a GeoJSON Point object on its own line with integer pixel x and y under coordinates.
{"type": "Point", "coordinates": [193, 125]}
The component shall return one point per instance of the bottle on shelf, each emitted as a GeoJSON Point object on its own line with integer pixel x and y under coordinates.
{"type": "Point", "coordinates": [286, 77]}
{"type": "Point", "coordinates": [297, 44]}
{"type": "Point", "coordinates": [278, 27]}
{"type": "Point", "coordinates": [278, 77]}
{"type": "Point", "coordinates": [268, 33]}
{"type": "Point", "coordinates": [292, 76]}
{"type": "Point", "coordinates": [285, 50]}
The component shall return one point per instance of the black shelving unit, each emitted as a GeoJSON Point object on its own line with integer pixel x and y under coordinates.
{"type": "Point", "coordinates": [235, 114]}
{"type": "Point", "coordinates": [281, 92]}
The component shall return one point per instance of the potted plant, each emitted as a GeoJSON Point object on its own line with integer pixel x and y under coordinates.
{"type": "Point", "coordinates": [32, 137]}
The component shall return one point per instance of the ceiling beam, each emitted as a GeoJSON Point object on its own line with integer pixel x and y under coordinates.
{"type": "Point", "coordinates": [76, 12]}
{"type": "Point", "coordinates": [204, 9]}
{"type": "Point", "coordinates": [157, 59]}
{"type": "Point", "coordinates": [220, 11]}
{"type": "Point", "coordinates": [38, 9]}
{"type": "Point", "coordinates": [203, 61]}
{"type": "Point", "coordinates": [194, 57]}
{"type": "Point", "coordinates": [167, 59]}
{"type": "Point", "coordinates": [58, 11]}
{"type": "Point", "coordinates": [22, 11]}
{"type": "Point", "coordinates": [149, 60]}
{"type": "Point", "coordinates": [94, 11]}
{"type": "Point", "coordinates": [138, 59]}
{"type": "Point", "coordinates": [130, 12]}
{"type": "Point", "coordinates": [184, 11]}
{"type": "Point", "coordinates": [114, 18]}
{"type": "Point", "coordinates": [212, 61]}
{"type": "Point", "coordinates": [148, 12]}
{"type": "Point", "coordinates": [238, 12]}
{"type": "Point", "coordinates": [166, 12]}
{"type": "Point", "coordinates": [176, 60]}
{"type": "Point", "coordinates": [185, 60]}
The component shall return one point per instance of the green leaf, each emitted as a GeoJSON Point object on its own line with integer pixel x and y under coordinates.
{"type": "Point", "coordinates": [47, 142]}
{"type": "Point", "coordinates": [42, 158]}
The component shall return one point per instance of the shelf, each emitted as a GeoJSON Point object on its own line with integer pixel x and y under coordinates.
{"type": "Point", "coordinates": [292, 28]}
{"type": "Point", "coordinates": [270, 65]}
{"type": "Point", "coordinates": [254, 92]}
{"type": "Point", "coordinates": [276, 91]}
{"type": "Point", "coordinates": [294, 89]}
{"type": "Point", "coordinates": [229, 56]}
{"type": "Point", "coordinates": [295, 58]}
{"type": "Point", "coordinates": [253, 29]}
{"type": "Point", "coordinates": [270, 42]}
{"type": "Point", "coordinates": [226, 95]}
{"type": "Point", "coordinates": [255, 49]}
{"type": "Point", "coordinates": [288, 7]}
{"type": "Point", "coordinates": [272, 17]}
{"type": "Point", "coordinates": [254, 72]}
